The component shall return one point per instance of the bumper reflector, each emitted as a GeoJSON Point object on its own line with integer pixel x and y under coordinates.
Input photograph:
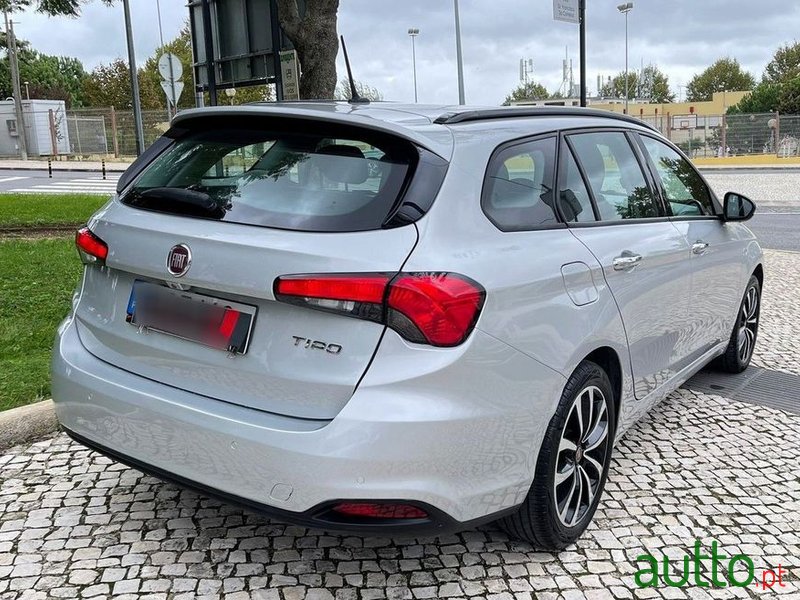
{"type": "Point", "coordinates": [380, 511]}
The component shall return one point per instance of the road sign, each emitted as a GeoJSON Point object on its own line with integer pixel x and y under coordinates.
{"type": "Point", "coordinates": [566, 10]}
{"type": "Point", "coordinates": [290, 75]}
{"type": "Point", "coordinates": [170, 67]}
{"type": "Point", "coordinates": [173, 90]}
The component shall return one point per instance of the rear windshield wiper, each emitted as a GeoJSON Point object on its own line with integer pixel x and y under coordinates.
{"type": "Point", "coordinates": [176, 200]}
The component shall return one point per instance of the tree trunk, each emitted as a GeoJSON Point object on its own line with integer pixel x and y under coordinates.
{"type": "Point", "coordinates": [313, 35]}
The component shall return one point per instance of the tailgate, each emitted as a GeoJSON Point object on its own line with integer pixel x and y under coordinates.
{"type": "Point", "coordinates": [283, 370]}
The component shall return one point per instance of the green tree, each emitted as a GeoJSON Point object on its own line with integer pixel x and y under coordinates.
{"type": "Point", "coordinates": [362, 89]}
{"type": "Point", "coordinates": [653, 84]}
{"type": "Point", "coordinates": [650, 84]}
{"type": "Point", "coordinates": [48, 77]}
{"type": "Point", "coordinates": [764, 98]}
{"type": "Point", "coordinates": [615, 87]}
{"type": "Point", "coordinates": [69, 8]}
{"type": "Point", "coordinates": [527, 91]}
{"type": "Point", "coordinates": [311, 27]}
{"type": "Point", "coordinates": [53, 78]}
{"type": "Point", "coordinates": [785, 65]}
{"type": "Point", "coordinates": [724, 75]}
{"type": "Point", "coordinates": [109, 85]}
{"type": "Point", "coordinates": [789, 97]}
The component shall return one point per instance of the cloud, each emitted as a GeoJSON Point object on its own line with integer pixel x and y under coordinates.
{"type": "Point", "coordinates": [681, 36]}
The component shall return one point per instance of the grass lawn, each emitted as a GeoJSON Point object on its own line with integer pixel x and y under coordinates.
{"type": "Point", "coordinates": [41, 210]}
{"type": "Point", "coordinates": [37, 278]}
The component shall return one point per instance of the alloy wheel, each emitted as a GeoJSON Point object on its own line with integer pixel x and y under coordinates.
{"type": "Point", "coordinates": [748, 324]}
{"type": "Point", "coordinates": [581, 456]}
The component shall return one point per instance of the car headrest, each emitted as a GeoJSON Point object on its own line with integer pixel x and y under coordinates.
{"type": "Point", "coordinates": [342, 163]}
{"type": "Point", "coordinates": [502, 172]}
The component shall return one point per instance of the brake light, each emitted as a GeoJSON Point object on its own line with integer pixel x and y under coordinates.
{"type": "Point", "coordinates": [439, 309]}
{"type": "Point", "coordinates": [443, 307]}
{"type": "Point", "coordinates": [91, 248]}
{"type": "Point", "coordinates": [380, 511]}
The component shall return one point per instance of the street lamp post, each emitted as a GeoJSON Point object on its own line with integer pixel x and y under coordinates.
{"type": "Point", "coordinates": [625, 9]}
{"type": "Point", "coordinates": [414, 32]}
{"type": "Point", "coordinates": [459, 58]}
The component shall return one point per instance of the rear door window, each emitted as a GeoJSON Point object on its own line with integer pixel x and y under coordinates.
{"type": "Point", "coordinates": [518, 192]}
{"type": "Point", "coordinates": [615, 176]}
{"type": "Point", "coordinates": [284, 179]}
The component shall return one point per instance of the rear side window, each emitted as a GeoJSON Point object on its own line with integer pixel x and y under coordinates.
{"type": "Point", "coordinates": [518, 192]}
{"type": "Point", "coordinates": [684, 189]}
{"type": "Point", "coordinates": [615, 177]}
{"type": "Point", "coordinates": [326, 181]}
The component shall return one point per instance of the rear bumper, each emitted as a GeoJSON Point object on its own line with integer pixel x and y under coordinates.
{"type": "Point", "coordinates": [320, 517]}
{"type": "Point", "coordinates": [458, 443]}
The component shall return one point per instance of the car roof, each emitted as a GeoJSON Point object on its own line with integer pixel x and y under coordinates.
{"type": "Point", "coordinates": [429, 125]}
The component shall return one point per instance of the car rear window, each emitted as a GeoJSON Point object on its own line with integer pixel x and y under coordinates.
{"type": "Point", "coordinates": [342, 180]}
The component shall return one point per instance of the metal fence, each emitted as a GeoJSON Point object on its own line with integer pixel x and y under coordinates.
{"type": "Point", "coordinates": [95, 133]}
{"type": "Point", "coordinates": [83, 134]}
{"type": "Point", "coordinates": [731, 135]}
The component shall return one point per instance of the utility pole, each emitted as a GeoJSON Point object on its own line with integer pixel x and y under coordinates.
{"type": "Point", "coordinates": [137, 106]}
{"type": "Point", "coordinates": [11, 42]}
{"type": "Point", "coordinates": [459, 57]}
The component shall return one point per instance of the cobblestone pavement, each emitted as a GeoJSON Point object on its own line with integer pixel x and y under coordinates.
{"type": "Point", "coordinates": [772, 191]}
{"type": "Point", "coordinates": [74, 524]}
{"type": "Point", "coordinates": [778, 346]}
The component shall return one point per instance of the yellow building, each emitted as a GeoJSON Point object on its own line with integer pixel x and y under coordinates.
{"type": "Point", "coordinates": [717, 106]}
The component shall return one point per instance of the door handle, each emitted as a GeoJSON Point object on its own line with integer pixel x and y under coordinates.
{"type": "Point", "coordinates": [626, 261]}
{"type": "Point", "coordinates": [699, 247]}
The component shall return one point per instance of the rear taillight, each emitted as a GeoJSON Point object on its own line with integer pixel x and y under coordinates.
{"type": "Point", "coordinates": [439, 309]}
{"type": "Point", "coordinates": [92, 249]}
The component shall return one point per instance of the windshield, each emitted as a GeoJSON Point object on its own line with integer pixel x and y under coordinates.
{"type": "Point", "coordinates": [303, 181]}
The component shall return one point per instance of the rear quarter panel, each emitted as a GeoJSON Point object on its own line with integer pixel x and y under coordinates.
{"type": "Point", "coordinates": [527, 304]}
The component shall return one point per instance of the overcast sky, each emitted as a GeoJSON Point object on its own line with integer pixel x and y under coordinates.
{"type": "Point", "coordinates": [681, 36]}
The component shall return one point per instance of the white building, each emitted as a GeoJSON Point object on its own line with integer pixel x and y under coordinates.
{"type": "Point", "coordinates": [46, 131]}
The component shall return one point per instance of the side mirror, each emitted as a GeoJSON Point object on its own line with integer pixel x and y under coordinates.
{"type": "Point", "coordinates": [738, 207]}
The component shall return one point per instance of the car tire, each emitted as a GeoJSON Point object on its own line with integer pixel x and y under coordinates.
{"type": "Point", "coordinates": [739, 351]}
{"type": "Point", "coordinates": [550, 517]}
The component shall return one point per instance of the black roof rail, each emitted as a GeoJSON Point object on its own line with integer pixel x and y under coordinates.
{"type": "Point", "coordinates": [467, 116]}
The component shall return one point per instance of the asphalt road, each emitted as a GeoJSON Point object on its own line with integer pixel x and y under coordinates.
{"type": "Point", "coordinates": [12, 180]}
{"type": "Point", "coordinates": [778, 231]}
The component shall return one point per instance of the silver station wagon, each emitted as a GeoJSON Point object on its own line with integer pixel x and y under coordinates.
{"type": "Point", "coordinates": [401, 319]}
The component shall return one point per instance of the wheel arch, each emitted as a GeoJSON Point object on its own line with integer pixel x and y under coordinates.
{"type": "Point", "coordinates": [759, 274]}
{"type": "Point", "coordinates": [608, 360]}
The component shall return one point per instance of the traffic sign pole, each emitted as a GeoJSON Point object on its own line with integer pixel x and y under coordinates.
{"type": "Point", "coordinates": [574, 11]}
{"type": "Point", "coordinates": [582, 17]}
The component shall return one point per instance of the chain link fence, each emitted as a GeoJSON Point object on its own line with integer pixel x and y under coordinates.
{"type": "Point", "coordinates": [731, 135]}
{"type": "Point", "coordinates": [83, 134]}
{"type": "Point", "coordinates": [107, 133]}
